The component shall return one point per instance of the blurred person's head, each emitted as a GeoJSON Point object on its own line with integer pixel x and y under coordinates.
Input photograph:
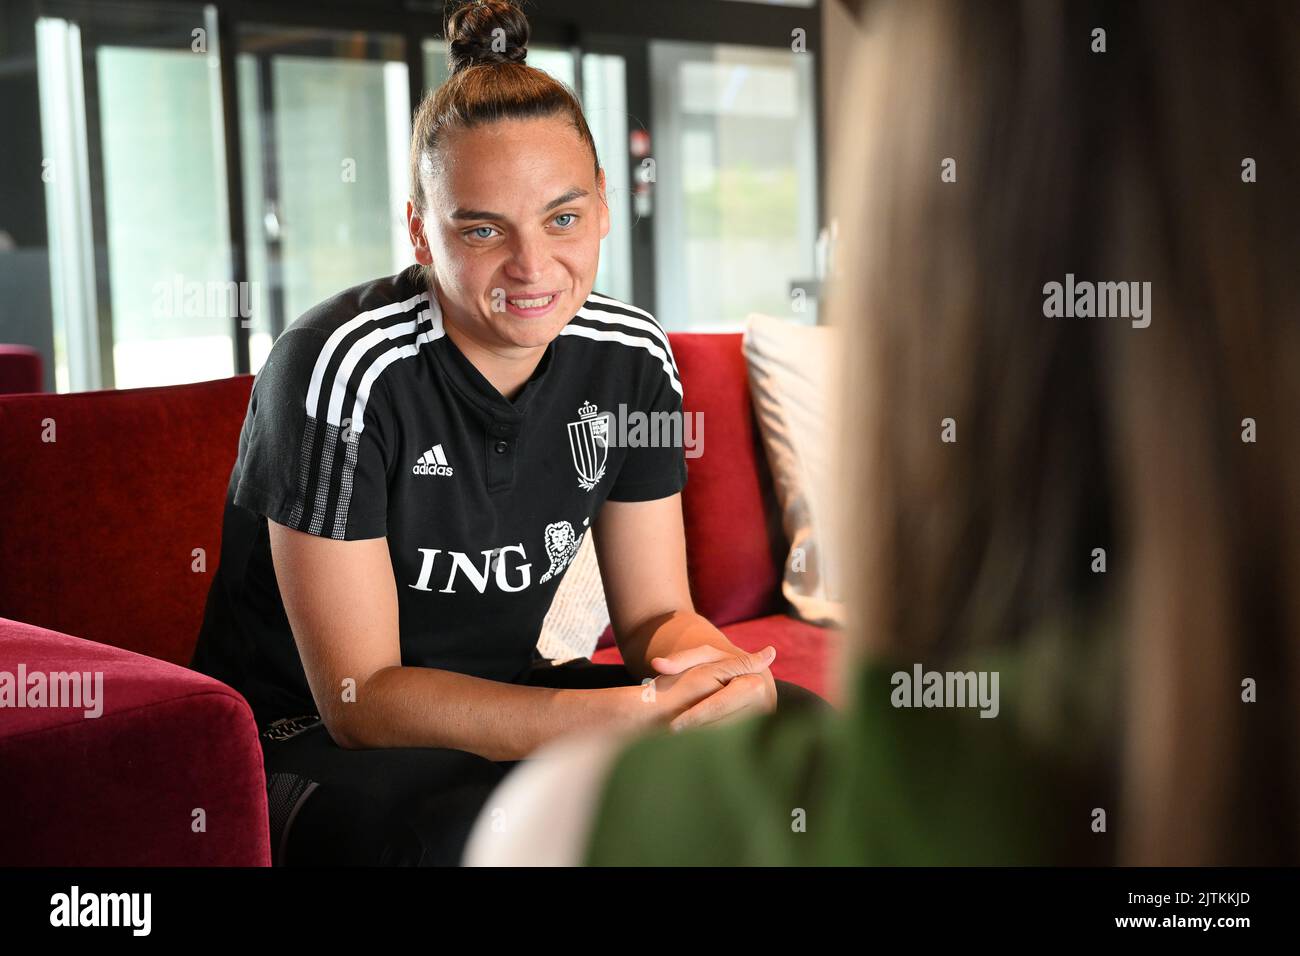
{"type": "Point", "coordinates": [1075, 434]}
{"type": "Point", "coordinates": [507, 195]}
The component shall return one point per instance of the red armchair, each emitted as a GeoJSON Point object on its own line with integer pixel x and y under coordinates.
{"type": "Point", "coordinates": [110, 529]}
{"type": "Point", "coordinates": [21, 369]}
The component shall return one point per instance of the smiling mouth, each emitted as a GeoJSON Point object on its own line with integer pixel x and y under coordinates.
{"type": "Point", "coordinates": [532, 303]}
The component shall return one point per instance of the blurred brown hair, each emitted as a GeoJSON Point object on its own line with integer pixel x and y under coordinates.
{"type": "Point", "coordinates": [1078, 433]}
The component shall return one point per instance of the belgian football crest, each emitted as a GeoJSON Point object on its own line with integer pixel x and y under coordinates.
{"type": "Point", "coordinates": [589, 443]}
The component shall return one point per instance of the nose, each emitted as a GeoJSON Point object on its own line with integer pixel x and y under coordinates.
{"type": "Point", "coordinates": [527, 257]}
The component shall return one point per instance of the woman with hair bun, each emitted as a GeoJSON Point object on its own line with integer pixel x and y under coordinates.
{"type": "Point", "coordinates": [422, 456]}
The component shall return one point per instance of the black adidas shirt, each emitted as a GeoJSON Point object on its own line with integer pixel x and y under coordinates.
{"type": "Point", "coordinates": [367, 421]}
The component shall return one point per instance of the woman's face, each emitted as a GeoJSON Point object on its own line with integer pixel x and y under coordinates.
{"type": "Point", "coordinates": [516, 214]}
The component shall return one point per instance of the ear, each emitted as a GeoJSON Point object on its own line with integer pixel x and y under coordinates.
{"type": "Point", "coordinates": [415, 229]}
{"type": "Point", "coordinates": [604, 203]}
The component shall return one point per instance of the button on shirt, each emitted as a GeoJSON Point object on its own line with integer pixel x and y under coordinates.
{"type": "Point", "coordinates": [367, 421]}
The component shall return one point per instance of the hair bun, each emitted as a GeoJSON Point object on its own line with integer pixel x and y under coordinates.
{"type": "Point", "coordinates": [486, 32]}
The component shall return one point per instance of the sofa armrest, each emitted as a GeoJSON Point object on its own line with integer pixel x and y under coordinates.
{"type": "Point", "coordinates": [153, 765]}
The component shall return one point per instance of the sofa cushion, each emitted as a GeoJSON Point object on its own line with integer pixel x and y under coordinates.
{"type": "Point", "coordinates": [101, 526]}
{"type": "Point", "coordinates": [792, 377]}
{"type": "Point", "coordinates": [735, 545]}
{"type": "Point", "coordinates": [121, 788]}
{"type": "Point", "coordinates": [21, 369]}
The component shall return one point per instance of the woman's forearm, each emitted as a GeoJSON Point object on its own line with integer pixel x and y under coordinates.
{"type": "Point", "coordinates": [428, 707]}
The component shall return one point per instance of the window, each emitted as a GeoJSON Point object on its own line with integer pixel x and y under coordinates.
{"type": "Point", "coordinates": [735, 182]}
{"type": "Point", "coordinates": [173, 168]}
{"type": "Point", "coordinates": [325, 125]}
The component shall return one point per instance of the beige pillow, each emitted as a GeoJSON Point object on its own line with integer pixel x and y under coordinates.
{"type": "Point", "coordinates": [578, 615]}
{"type": "Point", "coordinates": [791, 381]}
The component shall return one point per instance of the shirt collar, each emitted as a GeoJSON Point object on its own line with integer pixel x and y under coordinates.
{"type": "Point", "coordinates": [473, 385]}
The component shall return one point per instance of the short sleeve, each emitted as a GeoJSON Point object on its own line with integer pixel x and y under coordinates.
{"type": "Point", "coordinates": [303, 461]}
{"type": "Point", "coordinates": [654, 461]}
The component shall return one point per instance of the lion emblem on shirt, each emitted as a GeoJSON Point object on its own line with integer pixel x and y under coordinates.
{"type": "Point", "coordinates": [562, 544]}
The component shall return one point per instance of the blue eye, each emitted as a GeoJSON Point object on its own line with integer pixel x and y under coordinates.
{"type": "Point", "coordinates": [568, 215]}
{"type": "Point", "coordinates": [475, 232]}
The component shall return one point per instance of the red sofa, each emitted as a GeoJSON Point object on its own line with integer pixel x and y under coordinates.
{"type": "Point", "coordinates": [112, 531]}
{"type": "Point", "coordinates": [21, 369]}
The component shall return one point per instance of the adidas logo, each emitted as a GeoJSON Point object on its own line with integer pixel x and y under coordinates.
{"type": "Point", "coordinates": [432, 462]}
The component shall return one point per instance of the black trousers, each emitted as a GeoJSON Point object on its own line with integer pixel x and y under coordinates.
{"type": "Point", "coordinates": [402, 806]}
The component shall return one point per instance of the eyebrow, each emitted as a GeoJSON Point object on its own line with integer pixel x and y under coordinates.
{"type": "Point", "coordinates": [575, 192]}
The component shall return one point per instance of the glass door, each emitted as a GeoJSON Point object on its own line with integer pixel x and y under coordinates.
{"type": "Point", "coordinates": [135, 190]}
{"type": "Point", "coordinates": [736, 183]}
{"type": "Point", "coordinates": [325, 121]}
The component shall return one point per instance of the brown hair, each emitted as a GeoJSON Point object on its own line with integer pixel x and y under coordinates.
{"type": "Point", "coordinates": [1078, 433]}
{"type": "Point", "coordinates": [489, 81]}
